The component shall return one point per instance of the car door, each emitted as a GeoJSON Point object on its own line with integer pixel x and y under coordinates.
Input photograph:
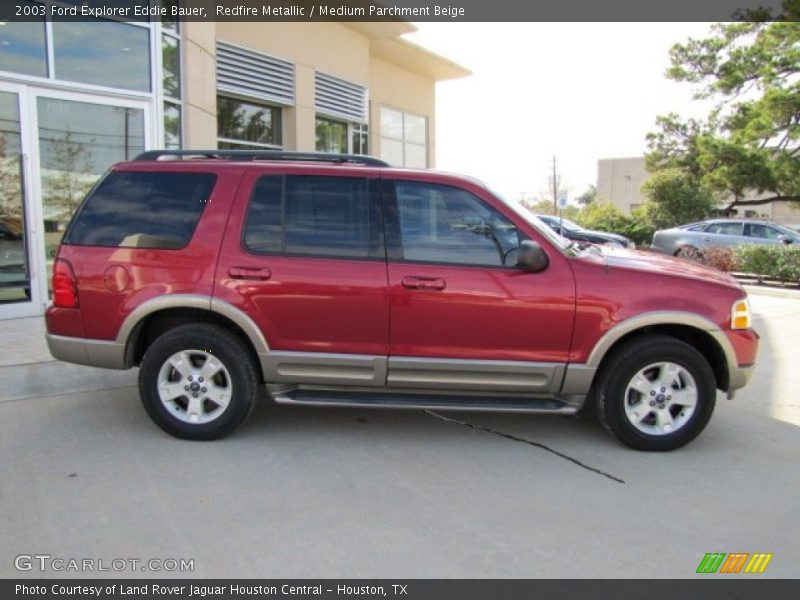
{"type": "Point", "coordinates": [758, 233]}
{"type": "Point", "coordinates": [723, 233]}
{"type": "Point", "coordinates": [462, 315]}
{"type": "Point", "coordinates": [304, 257]}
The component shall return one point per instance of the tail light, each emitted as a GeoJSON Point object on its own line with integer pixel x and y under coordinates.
{"type": "Point", "coordinates": [65, 289]}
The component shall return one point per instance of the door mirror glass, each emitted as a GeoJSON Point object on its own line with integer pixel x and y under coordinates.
{"type": "Point", "coordinates": [531, 257]}
{"type": "Point", "coordinates": [786, 239]}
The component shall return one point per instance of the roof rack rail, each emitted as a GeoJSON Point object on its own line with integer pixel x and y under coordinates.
{"type": "Point", "coordinates": [249, 155]}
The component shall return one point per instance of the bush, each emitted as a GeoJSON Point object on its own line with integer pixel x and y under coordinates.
{"type": "Point", "coordinates": [769, 261]}
{"type": "Point", "coordinates": [604, 216]}
{"type": "Point", "coordinates": [720, 257]}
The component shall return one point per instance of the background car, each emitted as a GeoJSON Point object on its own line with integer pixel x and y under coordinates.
{"type": "Point", "coordinates": [689, 240]}
{"type": "Point", "coordinates": [573, 231]}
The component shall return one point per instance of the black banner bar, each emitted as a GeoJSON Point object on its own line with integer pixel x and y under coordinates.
{"type": "Point", "coordinates": [705, 588]}
{"type": "Point", "coordinates": [394, 10]}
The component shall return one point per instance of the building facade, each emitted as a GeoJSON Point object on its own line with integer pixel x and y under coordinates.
{"type": "Point", "coordinates": [620, 180]}
{"type": "Point", "coordinates": [78, 97]}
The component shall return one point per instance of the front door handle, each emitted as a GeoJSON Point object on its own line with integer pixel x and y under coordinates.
{"type": "Point", "coordinates": [423, 283]}
{"type": "Point", "coordinates": [251, 273]}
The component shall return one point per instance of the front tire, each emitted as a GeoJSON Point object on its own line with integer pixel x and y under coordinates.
{"type": "Point", "coordinates": [198, 382]}
{"type": "Point", "coordinates": [655, 393]}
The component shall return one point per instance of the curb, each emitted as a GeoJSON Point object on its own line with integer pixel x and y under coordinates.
{"type": "Point", "coordinates": [758, 290]}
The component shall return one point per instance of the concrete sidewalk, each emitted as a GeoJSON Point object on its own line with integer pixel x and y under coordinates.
{"type": "Point", "coordinates": [27, 370]}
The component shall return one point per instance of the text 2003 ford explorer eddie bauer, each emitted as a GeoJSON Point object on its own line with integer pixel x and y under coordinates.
{"type": "Point", "coordinates": [338, 280]}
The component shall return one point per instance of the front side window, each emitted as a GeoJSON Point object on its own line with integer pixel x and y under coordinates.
{"type": "Point", "coordinates": [132, 209]}
{"type": "Point", "coordinates": [444, 224]}
{"type": "Point", "coordinates": [247, 125]}
{"type": "Point", "coordinates": [314, 216]}
{"type": "Point", "coordinates": [763, 231]}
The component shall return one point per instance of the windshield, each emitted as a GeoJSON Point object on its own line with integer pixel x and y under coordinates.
{"type": "Point", "coordinates": [788, 231]}
{"type": "Point", "coordinates": [559, 242]}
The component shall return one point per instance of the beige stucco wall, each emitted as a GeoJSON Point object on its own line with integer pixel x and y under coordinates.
{"type": "Point", "coordinates": [620, 180]}
{"type": "Point", "coordinates": [784, 213]}
{"type": "Point", "coordinates": [395, 87]}
{"type": "Point", "coordinates": [331, 48]}
{"type": "Point", "coordinates": [199, 85]}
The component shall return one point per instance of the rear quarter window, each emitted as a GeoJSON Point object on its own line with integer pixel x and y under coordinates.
{"type": "Point", "coordinates": [139, 209]}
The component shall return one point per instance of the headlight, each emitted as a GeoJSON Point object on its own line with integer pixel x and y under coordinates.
{"type": "Point", "coordinates": [740, 315]}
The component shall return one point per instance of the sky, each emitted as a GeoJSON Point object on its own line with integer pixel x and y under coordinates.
{"type": "Point", "coordinates": [579, 91]}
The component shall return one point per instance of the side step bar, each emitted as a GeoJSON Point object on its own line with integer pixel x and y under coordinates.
{"type": "Point", "coordinates": [422, 401]}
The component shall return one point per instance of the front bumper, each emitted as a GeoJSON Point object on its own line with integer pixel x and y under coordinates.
{"type": "Point", "coordinates": [742, 357]}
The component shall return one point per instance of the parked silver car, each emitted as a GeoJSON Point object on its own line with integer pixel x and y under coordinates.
{"type": "Point", "coordinates": [688, 241]}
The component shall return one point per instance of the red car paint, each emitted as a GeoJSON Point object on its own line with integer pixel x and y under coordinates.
{"type": "Point", "coordinates": [363, 307]}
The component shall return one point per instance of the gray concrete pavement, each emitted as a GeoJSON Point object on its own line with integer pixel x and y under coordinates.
{"type": "Point", "coordinates": [301, 492]}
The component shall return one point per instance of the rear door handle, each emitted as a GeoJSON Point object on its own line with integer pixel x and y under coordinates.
{"type": "Point", "coordinates": [251, 273]}
{"type": "Point", "coordinates": [423, 283]}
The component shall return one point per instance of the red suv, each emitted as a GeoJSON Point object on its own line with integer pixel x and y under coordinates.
{"type": "Point", "coordinates": [340, 281]}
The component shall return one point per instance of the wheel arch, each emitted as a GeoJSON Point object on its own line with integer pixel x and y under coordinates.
{"type": "Point", "coordinates": [158, 315]}
{"type": "Point", "coordinates": [700, 333]}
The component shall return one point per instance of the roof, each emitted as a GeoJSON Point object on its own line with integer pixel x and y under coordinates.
{"type": "Point", "coordinates": [385, 43]}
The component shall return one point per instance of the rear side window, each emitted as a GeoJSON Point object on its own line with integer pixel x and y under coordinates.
{"type": "Point", "coordinates": [725, 228]}
{"type": "Point", "coordinates": [314, 216]}
{"type": "Point", "coordinates": [138, 209]}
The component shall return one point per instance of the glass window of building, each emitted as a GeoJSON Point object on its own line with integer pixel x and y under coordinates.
{"type": "Point", "coordinates": [14, 272]}
{"type": "Point", "coordinates": [331, 136]}
{"type": "Point", "coordinates": [342, 138]}
{"type": "Point", "coordinates": [77, 143]}
{"type": "Point", "coordinates": [102, 53]}
{"type": "Point", "coordinates": [247, 125]}
{"type": "Point", "coordinates": [23, 48]}
{"type": "Point", "coordinates": [404, 139]}
{"type": "Point", "coordinates": [171, 84]}
{"type": "Point", "coordinates": [359, 138]}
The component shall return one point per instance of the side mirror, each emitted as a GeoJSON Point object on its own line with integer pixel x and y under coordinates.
{"type": "Point", "coordinates": [531, 257]}
{"type": "Point", "coordinates": [785, 239]}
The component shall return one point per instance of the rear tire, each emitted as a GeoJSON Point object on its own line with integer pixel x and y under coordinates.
{"type": "Point", "coordinates": [689, 253]}
{"type": "Point", "coordinates": [198, 382]}
{"type": "Point", "coordinates": [655, 393]}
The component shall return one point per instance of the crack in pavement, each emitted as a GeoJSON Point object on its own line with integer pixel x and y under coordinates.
{"type": "Point", "coordinates": [524, 441]}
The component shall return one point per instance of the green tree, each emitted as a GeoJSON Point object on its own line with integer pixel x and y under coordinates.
{"type": "Point", "coordinates": [676, 197]}
{"type": "Point", "coordinates": [587, 197]}
{"type": "Point", "coordinates": [747, 151]}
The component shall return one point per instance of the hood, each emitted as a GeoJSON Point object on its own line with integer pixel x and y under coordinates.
{"type": "Point", "coordinates": [659, 263]}
{"type": "Point", "coordinates": [605, 234]}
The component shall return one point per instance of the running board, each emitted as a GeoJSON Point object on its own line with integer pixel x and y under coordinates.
{"type": "Point", "coordinates": [426, 401]}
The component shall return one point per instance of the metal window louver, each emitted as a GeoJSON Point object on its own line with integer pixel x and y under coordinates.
{"type": "Point", "coordinates": [249, 73]}
{"type": "Point", "coordinates": [336, 97]}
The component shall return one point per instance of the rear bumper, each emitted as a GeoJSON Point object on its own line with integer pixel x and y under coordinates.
{"type": "Point", "coordinates": [82, 351]}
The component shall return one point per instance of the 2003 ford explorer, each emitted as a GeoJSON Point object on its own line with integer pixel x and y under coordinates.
{"type": "Point", "coordinates": [337, 280]}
